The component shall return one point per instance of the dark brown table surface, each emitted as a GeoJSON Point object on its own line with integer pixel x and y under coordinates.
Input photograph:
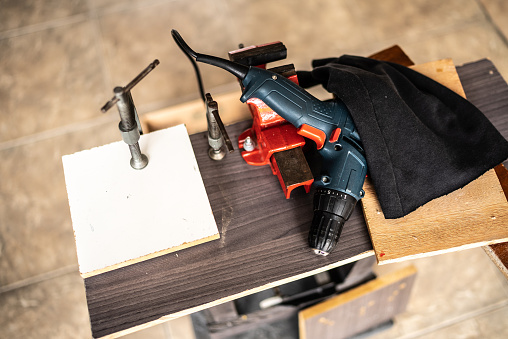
{"type": "Point", "coordinates": [263, 235]}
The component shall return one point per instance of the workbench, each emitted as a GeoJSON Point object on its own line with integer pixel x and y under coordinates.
{"type": "Point", "coordinates": [263, 239]}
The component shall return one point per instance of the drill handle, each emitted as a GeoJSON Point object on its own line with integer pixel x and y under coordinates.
{"type": "Point", "coordinates": [296, 105]}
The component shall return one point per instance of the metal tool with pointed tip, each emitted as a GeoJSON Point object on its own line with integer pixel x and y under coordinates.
{"type": "Point", "coordinates": [129, 125]}
{"type": "Point", "coordinates": [217, 134]}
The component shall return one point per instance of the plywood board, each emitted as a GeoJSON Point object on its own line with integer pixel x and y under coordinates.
{"type": "Point", "coordinates": [498, 253]}
{"type": "Point", "coordinates": [122, 216]}
{"type": "Point", "coordinates": [359, 309]}
{"type": "Point", "coordinates": [473, 216]}
{"type": "Point", "coordinates": [263, 236]}
{"type": "Point", "coordinates": [263, 244]}
{"type": "Point", "coordinates": [231, 110]}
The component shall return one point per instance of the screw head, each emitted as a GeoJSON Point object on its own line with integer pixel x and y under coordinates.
{"type": "Point", "coordinates": [139, 164]}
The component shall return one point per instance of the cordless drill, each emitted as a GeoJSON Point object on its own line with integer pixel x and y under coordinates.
{"type": "Point", "coordinates": [328, 124]}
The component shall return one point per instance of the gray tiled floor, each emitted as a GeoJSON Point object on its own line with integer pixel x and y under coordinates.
{"type": "Point", "coordinates": [59, 61]}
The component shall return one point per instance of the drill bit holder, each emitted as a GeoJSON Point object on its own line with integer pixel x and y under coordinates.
{"type": "Point", "coordinates": [217, 134]}
{"type": "Point", "coordinates": [129, 125]}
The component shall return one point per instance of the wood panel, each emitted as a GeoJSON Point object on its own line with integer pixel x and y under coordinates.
{"type": "Point", "coordinates": [122, 216]}
{"type": "Point", "coordinates": [263, 244]}
{"type": "Point", "coordinates": [393, 54]}
{"type": "Point", "coordinates": [473, 216]}
{"type": "Point", "coordinates": [231, 109]}
{"type": "Point", "coordinates": [498, 253]}
{"type": "Point", "coordinates": [487, 89]}
{"type": "Point", "coordinates": [263, 236]}
{"type": "Point", "coordinates": [359, 309]}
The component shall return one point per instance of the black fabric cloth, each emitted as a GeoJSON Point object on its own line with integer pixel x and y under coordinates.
{"type": "Point", "coordinates": [422, 140]}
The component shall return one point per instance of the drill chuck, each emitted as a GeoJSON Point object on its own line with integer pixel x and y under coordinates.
{"type": "Point", "coordinates": [331, 210]}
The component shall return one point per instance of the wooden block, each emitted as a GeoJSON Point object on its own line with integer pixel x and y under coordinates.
{"type": "Point", "coordinates": [223, 312]}
{"type": "Point", "coordinates": [122, 216]}
{"type": "Point", "coordinates": [473, 216]}
{"type": "Point", "coordinates": [480, 92]}
{"type": "Point", "coordinates": [251, 322]}
{"type": "Point", "coordinates": [442, 71]}
{"type": "Point", "coordinates": [231, 110]}
{"type": "Point", "coordinates": [359, 309]}
{"type": "Point", "coordinates": [498, 253]}
{"type": "Point", "coordinates": [393, 54]}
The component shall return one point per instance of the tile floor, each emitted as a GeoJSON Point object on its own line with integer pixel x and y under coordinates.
{"type": "Point", "coordinates": [60, 59]}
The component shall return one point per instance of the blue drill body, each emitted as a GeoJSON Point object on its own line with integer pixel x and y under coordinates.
{"type": "Point", "coordinates": [344, 166]}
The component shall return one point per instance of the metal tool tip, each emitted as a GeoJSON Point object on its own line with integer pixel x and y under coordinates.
{"type": "Point", "coordinates": [320, 252]}
{"type": "Point", "coordinates": [139, 163]}
{"type": "Point", "coordinates": [118, 90]}
{"type": "Point", "coordinates": [109, 104]}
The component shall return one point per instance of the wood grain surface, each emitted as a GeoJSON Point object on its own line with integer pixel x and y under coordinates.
{"type": "Point", "coordinates": [231, 109]}
{"type": "Point", "coordinates": [359, 309]}
{"type": "Point", "coordinates": [498, 253]}
{"type": "Point", "coordinates": [473, 216]}
{"type": "Point", "coordinates": [263, 236]}
{"type": "Point", "coordinates": [263, 244]}
{"type": "Point", "coordinates": [487, 89]}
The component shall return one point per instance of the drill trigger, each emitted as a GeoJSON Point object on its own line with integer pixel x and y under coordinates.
{"type": "Point", "coordinates": [313, 133]}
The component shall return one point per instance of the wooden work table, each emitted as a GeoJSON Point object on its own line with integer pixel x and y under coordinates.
{"type": "Point", "coordinates": [263, 236]}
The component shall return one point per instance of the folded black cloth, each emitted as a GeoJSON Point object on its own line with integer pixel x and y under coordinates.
{"type": "Point", "coordinates": [422, 140]}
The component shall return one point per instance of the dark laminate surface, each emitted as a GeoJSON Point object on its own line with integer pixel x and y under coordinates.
{"type": "Point", "coordinates": [263, 239]}
{"type": "Point", "coordinates": [487, 90]}
{"type": "Point", "coordinates": [263, 235]}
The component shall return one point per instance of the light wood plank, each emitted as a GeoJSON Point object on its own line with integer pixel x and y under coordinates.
{"type": "Point", "coordinates": [263, 244]}
{"type": "Point", "coordinates": [231, 110]}
{"type": "Point", "coordinates": [473, 216]}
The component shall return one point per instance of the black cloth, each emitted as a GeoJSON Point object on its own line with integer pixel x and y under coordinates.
{"type": "Point", "coordinates": [422, 140]}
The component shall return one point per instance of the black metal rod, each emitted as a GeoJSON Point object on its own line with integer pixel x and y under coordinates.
{"type": "Point", "coordinates": [224, 133]}
{"type": "Point", "coordinates": [130, 85]}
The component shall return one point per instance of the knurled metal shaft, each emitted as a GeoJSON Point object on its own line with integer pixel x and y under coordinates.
{"type": "Point", "coordinates": [129, 125]}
